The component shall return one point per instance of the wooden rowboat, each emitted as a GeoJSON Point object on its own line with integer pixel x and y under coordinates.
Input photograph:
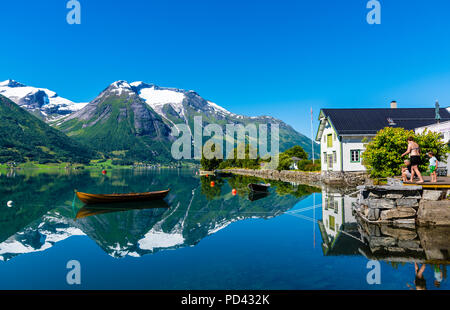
{"type": "Point", "coordinates": [115, 198]}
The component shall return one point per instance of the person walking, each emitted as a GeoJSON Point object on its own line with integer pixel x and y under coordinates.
{"type": "Point", "coordinates": [414, 156]}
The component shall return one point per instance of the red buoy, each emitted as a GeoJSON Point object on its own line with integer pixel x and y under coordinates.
{"type": "Point", "coordinates": [104, 171]}
{"type": "Point", "coordinates": [234, 192]}
{"type": "Point", "coordinates": [213, 183]}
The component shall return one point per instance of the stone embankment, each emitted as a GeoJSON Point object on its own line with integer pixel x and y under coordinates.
{"type": "Point", "coordinates": [305, 177]}
{"type": "Point", "coordinates": [403, 205]}
{"type": "Point", "coordinates": [394, 243]}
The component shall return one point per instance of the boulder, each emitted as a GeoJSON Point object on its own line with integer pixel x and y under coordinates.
{"type": "Point", "coordinates": [373, 214]}
{"type": "Point", "coordinates": [435, 241]}
{"type": "Point", "coordinates": [434, 213]}
{"type": "Point", "coordinates": [374, 230]}
{"type": "Point", "coordinates": [382, 242]}
{"type": "Point", "coordinates": [381, 203]}
{"type": "Point", "coordinates": [375, 194]}
{"type": "Point", "coordinates": [407, 202]}
{"type": "Point", "coordinates": [396, 250]}
{"type": "Point", "coordinates": [398, 233]}
{"type": "Point", "coordinates": [397, 213]}
{"type": "Point", "coordinates": [433, 195]}
{"type": "Point", "coordinates": [409, 244]}
{"type": "Point", "coordinates": [404, 223]}
{"type": "Point", "coordinates": [394, 195]}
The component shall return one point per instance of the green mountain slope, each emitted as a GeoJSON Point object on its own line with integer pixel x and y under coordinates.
{"type": "Point", "coordinates": [24, 137]}
{"type": "Point", "coordinates": [119, 124]}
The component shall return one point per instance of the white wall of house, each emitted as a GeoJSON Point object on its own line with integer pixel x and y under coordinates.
{"type": "Point", "coordinates": [352, 149]}
{"type": "Point", "coordinates": [330, 155]}
{"type": "Point", "coordinates": [336, 211]}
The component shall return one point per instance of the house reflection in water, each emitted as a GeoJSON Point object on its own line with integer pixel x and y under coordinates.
{"type": "Point", "coordinates": [346, 234]}
{"type": "Point", "coordinates": [338, 226]}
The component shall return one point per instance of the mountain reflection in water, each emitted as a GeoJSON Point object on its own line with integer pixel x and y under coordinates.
{"type": "Point", "coordinates": [46, 211]}
{"type": "Point", "coordinates": [291, 243]}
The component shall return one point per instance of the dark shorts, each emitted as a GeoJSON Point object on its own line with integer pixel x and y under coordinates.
{"type": "Point", "coordinates": [415, 160]}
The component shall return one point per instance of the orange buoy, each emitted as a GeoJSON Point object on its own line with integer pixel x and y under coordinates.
{"type": "Point", "coordinates": [234, 192]}
{"type": "Point", "coordinates": [213, 183]}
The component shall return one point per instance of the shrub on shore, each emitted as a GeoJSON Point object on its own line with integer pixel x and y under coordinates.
{"type": "Point", "coordinates": [382, 157]}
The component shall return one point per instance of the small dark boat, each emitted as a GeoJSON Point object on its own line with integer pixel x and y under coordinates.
{"type": "Point", "coordinates": [115, 198]}
{"type": "Point", "coordinates": [259, 187]}
{"type": "Point", "coordinates": [93, 209]}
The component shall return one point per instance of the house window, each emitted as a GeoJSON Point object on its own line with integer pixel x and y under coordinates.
{"type": "Point", "coordinates": [330, 140]}
{"type": "Point", "coordinates": [334, 157]}
{"type": "Point", "coordinates": [355, 156]}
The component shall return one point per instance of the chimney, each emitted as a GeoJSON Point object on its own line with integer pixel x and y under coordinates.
{"type": "Point", "coordinates": [393, 104]}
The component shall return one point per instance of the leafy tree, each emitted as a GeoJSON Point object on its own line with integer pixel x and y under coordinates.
{"type": "Point", "coordinates": [308, 165]}
{"type": "Point", "coordinates": [382, 156]}
{"type": "Point", "coordinates": [285, 158]}
{"type": "Point", "coordinates": [210, 164]}
{"type": "Point", "coordinates": [246, 162]}
{"type": "Point", "coordinates": [296, 151]}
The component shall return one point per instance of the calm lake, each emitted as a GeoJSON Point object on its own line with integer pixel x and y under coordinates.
{"type": "Point", "coordinates": [200, 237]}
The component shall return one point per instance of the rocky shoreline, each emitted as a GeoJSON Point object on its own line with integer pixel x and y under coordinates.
{"type": "Point", "coordinates": [348, 179]}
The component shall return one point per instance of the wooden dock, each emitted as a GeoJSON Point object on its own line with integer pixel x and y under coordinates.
{"type": "Point", "coordinates": [442, 183]}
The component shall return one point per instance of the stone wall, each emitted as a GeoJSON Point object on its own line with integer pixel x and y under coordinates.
{"type": "Point", "coordinates": [403, 205]}
{"type": "Point", "coordinates": [326, 177]}
{"type": "Point", "coordinates": [390, 242]}
{"type": "Point", "coordinates": [405, 243]}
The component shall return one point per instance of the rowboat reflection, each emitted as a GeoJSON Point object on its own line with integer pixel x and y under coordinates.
{"type": "Point", "coordinates": [97, 209]}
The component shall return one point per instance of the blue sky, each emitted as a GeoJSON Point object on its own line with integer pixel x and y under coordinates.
{"type": "Point", "coordinates": [253, 57]}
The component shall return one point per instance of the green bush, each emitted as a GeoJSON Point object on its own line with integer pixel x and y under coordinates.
{"type": "Point", "coordinates": [285, 158]}
{"type": "Point", "coordinates": [246, 162]}
{"type": "Point", "coordinates": [382, 157]}
{"type": "Point", "coordinates": [210, 164]}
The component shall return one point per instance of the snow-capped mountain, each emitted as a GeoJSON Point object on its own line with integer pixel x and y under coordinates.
{"type": "Point", "coordinates": [164, 99]}
{"type": "Point", "coordinates": [173, 106]}
{"type": "Point", "coordinates": [118, 120]}
{"type": "Point", "coordinates": [39, 101]}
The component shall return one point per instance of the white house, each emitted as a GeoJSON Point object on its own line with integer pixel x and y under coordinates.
{"type": "Point", "coordinates": [444, 129]}
{"type": "Point", "coordinates": [342, 132]}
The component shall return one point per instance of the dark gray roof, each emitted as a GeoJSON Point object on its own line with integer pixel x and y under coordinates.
{"type": "Point", "coordinates": [370, 121]}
